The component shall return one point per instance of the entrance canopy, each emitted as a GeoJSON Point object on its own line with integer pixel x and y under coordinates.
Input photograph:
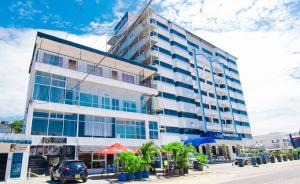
{"type": "Point", "coordinates": [114, 149]}
{"type": "Point", "coordinates": [197, 141]}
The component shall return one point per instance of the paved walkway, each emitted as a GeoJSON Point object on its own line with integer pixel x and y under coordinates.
{"type": "Point", "coordinates": [278, 173]}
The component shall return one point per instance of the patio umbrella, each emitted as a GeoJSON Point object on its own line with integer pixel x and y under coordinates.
{"type": "Point", "coordinates": [197, 141]}
{"type": "Point", "coordinates": [113, 149]}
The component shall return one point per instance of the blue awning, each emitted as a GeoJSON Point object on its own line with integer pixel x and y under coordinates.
{"type": "Point", "coordinates": [197, 141]}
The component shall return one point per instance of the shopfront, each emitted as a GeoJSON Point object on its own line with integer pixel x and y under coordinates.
{"type": "Point", "coordinates": [49, 152]}
{"type": "Point", "coordinates": [14, 152]}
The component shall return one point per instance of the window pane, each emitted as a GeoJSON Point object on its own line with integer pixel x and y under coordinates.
{"type": "Point", "coordinates": [57, 95]}
{"type": "Point", "coordinates": [55, 127]}
{"type": "Point", "coordinates": [41, 92]}
{"type": "Point", "coordinates": [128, 78]}
{"type": "Point", "coordinates": [39, 126]}
{"type": "Point", "coordinates": [70, 128]}
{"type": "Point", "coordinates": [86, 99]}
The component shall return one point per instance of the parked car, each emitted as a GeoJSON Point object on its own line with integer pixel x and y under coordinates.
{"type": "Point", "coordinates": [69, 170]}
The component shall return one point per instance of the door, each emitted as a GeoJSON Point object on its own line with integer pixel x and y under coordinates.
{"type": "Point", "coordinates": [3, 162]}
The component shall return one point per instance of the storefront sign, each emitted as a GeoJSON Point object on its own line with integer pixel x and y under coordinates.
{"type": "Point", "coordinates": [54, 140]}
{"type": "Point", "coordinates": [225, 136]}
{"type": "Point", "coordinates": [18, 148]}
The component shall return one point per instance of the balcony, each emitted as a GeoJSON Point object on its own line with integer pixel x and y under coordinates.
{"type": "Point", "coordinates": [94, 69]}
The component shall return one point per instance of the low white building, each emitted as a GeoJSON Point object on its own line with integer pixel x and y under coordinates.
{"type": "Point", "coordinates": [276, 140]}
{"type": "Point", "coordinates": [14, 153]}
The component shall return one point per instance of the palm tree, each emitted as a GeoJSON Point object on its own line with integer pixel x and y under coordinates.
{"type": "Point", "coordinates": [16, 126]}
{"type": "Point", "coordinates": [148, 152]}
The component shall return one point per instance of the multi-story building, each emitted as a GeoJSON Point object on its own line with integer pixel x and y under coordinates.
{"type": "Point", "coordinates": [199, 88]}
{"type": "Point", "coordinates": [81, 100]}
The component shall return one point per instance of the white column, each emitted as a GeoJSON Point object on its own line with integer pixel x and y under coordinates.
{"type": "Point", "coordinates": [147, 129]}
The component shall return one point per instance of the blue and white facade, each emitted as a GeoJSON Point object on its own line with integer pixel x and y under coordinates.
{"type": "Point", "coordinates": [81, 100]}
{"type": "Point", "coordinates": [199, 89]}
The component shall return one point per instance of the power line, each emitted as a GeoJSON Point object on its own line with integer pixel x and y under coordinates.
{"type": "Point", "coordinates": [84, 78]}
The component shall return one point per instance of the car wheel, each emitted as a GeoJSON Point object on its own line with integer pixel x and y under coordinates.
{"type": "Point", "coordinates": [84, 180]}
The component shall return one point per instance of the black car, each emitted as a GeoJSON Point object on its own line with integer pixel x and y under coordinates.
{"type": "Point", "coordinates": [69, 170]}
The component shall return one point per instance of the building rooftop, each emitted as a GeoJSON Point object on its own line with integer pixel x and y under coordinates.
{"type": "Point", "coordinates": [64, 47]}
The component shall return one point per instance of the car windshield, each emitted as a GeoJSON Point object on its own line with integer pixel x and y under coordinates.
{"type": "Point", "coordinates": [74, 163]}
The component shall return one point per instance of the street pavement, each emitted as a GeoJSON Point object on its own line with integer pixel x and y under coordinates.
{"type": "Point", "coordinates": [277, 173]}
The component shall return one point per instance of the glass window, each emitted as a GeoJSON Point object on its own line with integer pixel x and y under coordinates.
{"type": "Point", "coordinates": [98, 71]}
{"type": "Point", "coordinates": [41, 92]}
{"type": "Point", "coordinates": [57, 95]}
{"type": "Point", "coordinates": [39, 126]}
{"type": "Point", "coordinates": [99, 128]}
{"type": "Point", "coordinates": [130, 129]}
{"type": "Point", "coordinates": [128, 78]}
{"type": "Point", "coordinates": [115, 104]}
{"type": "Point", "coordinates": [114, 74]}
{"type": "Point", "coordinates": [129, 106]}
{"type": "Point", "coordinates": [72, 97]}
{"type": "Point", "coordinates": [86, 99]}
{"type": "Point", "coordinates": [42, 78]}
{"type": "Point", "coordinates": [52, 59]}
{"type": "Point", "coordinates": [105, 103]}
{"type": "Point", "coordinates": [70, 128]}
{"type": "Point", "coordinates": [153, 130]}
{"type": "Point", "coordinates": [55, 127]}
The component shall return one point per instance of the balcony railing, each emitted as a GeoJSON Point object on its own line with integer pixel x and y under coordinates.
{"type": "Point", "coordinates": [87, 67]}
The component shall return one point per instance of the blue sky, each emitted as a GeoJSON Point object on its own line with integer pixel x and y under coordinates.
{"type": "Point", "coordinates": [263, 34]}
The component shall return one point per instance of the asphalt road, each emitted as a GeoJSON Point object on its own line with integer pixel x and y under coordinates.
{"type": "Point", "coordinates": [289, 175]}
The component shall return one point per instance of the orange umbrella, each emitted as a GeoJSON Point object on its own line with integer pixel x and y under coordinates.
{"type": "Point", "coordinates": [114, 149]}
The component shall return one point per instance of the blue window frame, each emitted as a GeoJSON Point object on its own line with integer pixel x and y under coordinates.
{"type": "Point", "coordinates": [177, 33]}
{"type": "Point", "coordinates": [39, 125]}
{"type": "Point", "coordinates": [55, 127]}
{"type": "Point", "coordinates": [162, 25]}
{"type": "Point", "coordinates": [153, 130]}
{"type": "Point", "coordinates": [105, 102]}
{"type": "Point", "coordinates": [115, 104]}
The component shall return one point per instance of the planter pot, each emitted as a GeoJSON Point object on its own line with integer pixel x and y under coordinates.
{"type": "Point", "coordinates": [295, 157]}
{"type": "Point", "coordinates": [130, 176]}
{"type": "Point", "coordinates": [272, 159]}
{"type": "Point", "coordinates": [138, 175]}
{"type": "Point", "coordinates": [279, 159]}
{"type": "Point", "coordinates": [171, 172]}
{"type": "Point", "coordinates": [285, 158]}
{"type": "Point", "coordinates": [176, 172]}
{"type": "Point", "coordinates": [196, 165]}
{"type": "Point", "coordinates": [181, 172]}
{"type": "Point", "coordinates": [258, 160]}
{"type": "Point", "coordinates": [186, 170]}
{"type": "Point", "coordinates": [241, 162]}
{"type": "Point", "coordinates": [200, 167]}
{"type": "Point", "coordinates": [290, 157]}
{"type": "Point", "coordinates": [253, 161]}
{"type": "Point", "coordinates": [264, 160]}
{"type": "Point", "coordinates": [146, 174]}
{"type": "Point", "coordinates": [122, 176]}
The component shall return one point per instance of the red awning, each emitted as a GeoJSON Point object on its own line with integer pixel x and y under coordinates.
{"type": "Point", "coordinates": [114, 149]}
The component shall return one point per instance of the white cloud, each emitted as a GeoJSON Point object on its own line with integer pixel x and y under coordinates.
{"type": "Point", "coordinates": [16, 47]}
{"type": "Point", "coordinates": [265, 36]}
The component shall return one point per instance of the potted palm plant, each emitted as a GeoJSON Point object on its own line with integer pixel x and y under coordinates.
{"type": "Point", "coordinates": [140, 165]}
{"type": "Point", "coordinates": [278, 156]}
{"type": "Point", "coordinates": [174, 148]}
{"type": "Point", "coordinates": [272, 157]}
{"type": "Point", "coordinates": [202, 160]}
{"type": "Point", "coordinates": [285, 155]}
{"type": "Point", "coordinates": [120, 161]}
{"type": "Point", "coordinates": [183, 158]}
{"type": "Point", "coordinates": [148, 152]}
{"type": "Point", "coordinates": [295, 153]}
{"type": "Point", "coordinates": [128, 162]}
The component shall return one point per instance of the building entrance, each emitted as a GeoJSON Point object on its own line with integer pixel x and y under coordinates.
{"type": "Point", "coordinates": [3, 162]}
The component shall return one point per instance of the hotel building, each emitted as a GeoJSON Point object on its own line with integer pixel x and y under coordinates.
{"type": "Point", "coordinates": [199, 88]}
{"type": "Point", "coordinates": [158, 82]}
